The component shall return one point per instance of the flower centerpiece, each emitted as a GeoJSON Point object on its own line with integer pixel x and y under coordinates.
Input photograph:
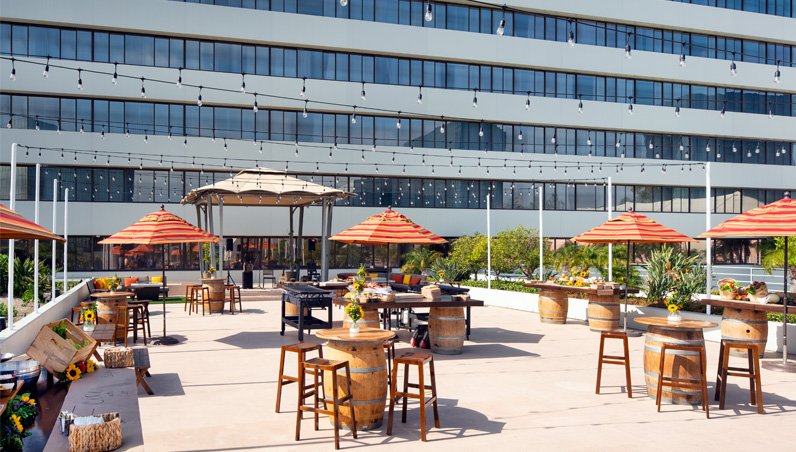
{"type": "Point", "coordinates": [20, 412]}
{"type": "Point", "coordinates": [114, 283]}
{"type": "Point", "coordinates": [75, 371]}
{"type": "Point", "coordinates": [354, 311]}
{"type": "Point", "coordinates": [728, 288]}
{"type": "Point", "coordinates": [674, 305]}
{"type": "Point", "coordinates": [89, 317]}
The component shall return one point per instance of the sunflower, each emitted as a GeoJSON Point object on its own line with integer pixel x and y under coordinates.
{"type": "Point", "coordinates": [15, 420]}
{"type": "Point", "coordinates": [89, 316]}
{"type": "Point", "coordinates": [24, 398]}
{"type": "Point", "coordinates": [72, 372]}
{"type": "Point", "coordinates": [672, 307]}
{"type": "Point", "coordinates": [91, 366]}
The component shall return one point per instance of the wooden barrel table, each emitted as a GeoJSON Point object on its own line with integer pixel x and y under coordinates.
{"type": "Point", "coordinates": [215, 302]}
{"type": "Point", "coordinates": [368, 365]}
{"type": "Point", "coordinates": [370, 319]}
{"type": "Point", "coordinates": [679, 364]}
{"type": "Point", "coordinates": [553, 306]}
{"type": "Point", "coordinates": [745, 325]}
{"type": "Point", "coordinates": [107, 303]}
{"type": "Point", "coordinates": [446, 330]}
{"type": "Point", "coordinates": [603, 312]}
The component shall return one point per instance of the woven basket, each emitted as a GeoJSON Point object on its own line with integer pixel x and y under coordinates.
{"type": "Point", "coordinates": [118, 357]}
{"type": "Point", "coordinates": [97, 437]}
{"type": "Point", "coordinates": [387, 297]}
{"type": "Point", "coordinates": [431, 293]}
{"type": "Point", "coordinates": [727, 294]}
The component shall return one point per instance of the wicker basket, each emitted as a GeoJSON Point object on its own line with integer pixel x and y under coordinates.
{"type": "Point", "coordinates": [97, 437]}
{"type": "Point", "coordinates": [118, 357]}
{"type": "Point", "coordinates": [727, 294]}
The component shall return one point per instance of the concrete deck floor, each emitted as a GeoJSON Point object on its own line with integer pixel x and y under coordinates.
{"type": "Point", "coordinates": [519, 384]}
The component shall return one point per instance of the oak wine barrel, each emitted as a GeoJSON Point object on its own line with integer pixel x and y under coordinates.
{"type": "Point", "coordinates": [745, 325]}
{"type": "Point", "coordinates": [370, 319]}
{"type": "Point", "coordinates": [679, 364]}
{"type": "Point", "coordinates": [553, 307]}
{"type": "Point", "coordinates": [603, 312]}
{"type": "Point", "coordinates": [446, 330]}
{"type": "Point", "coordinates": [215, 303]}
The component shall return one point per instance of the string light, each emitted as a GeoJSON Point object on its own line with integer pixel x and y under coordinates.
{"type": "Point", "coordinates": [481, 129]}
{"type": "Point", "coordinates": [199, 99]}
{"type": "Point", "coordinates": [677, 109]}
{"type": "Point", "coordinates": [627, 47]}
{"type": "Point", "coordinates": [442, 127]}
{"type": "Point", "coordinates": [776, 73]}
{"type": "Point", "coordinates": [304, 79]}
{"type": "Point", "coordinates": [398, 124]}
{"type": "Point", "coordinates": [80, 79]}
{"type": "Point", "coordinates": [354, 115]}
{"type": "Point", "coordinates": [46, 72]}
{"type": "Point", "coordinates": [225, 145]}
{"type": "Point", "coordinates": [143, 90]}
{"type": "Point", "coordinates": [13, 75]}
{"type": "Point", "coordinates": [519, 135]}
{"type": "Point", "coordinates": [475, 98]}
{"type": "Point", "coordinates": [419, 95]}
{"type": "Point", "coordinates": [37, 123]}
{"type": "Point", "coordinates": [553, 140]}
{"type": "Point", "coordinates": [362, 94]}
{"type": "Point", "coordinates": [630, 105]}
{"type": "Point", "coordinates": [255, 108]}
{"type": "Point", "coordinates": [243, 83]}
{"type": "Point", "coordinates": [179, 78]}
{"type": "Point", "coordinates": [528, 102]}
{"type": "Point", "coordinates": [723, 109]}
{"type": "Point", "coordinates": [682, 54]}
{"type": "Point", "coordinates": [429, 14]}
{"type": "Point", "coordinates": [304, 113]}
{"type": "Point", "coordinates": [571, 37]}
{"type": "Point", "coordinates": [502, 26]}
{"type": "Point", "coordinates": [733, 67]}
{"type": "Point", "coordinates": [580, 103]}
{"type": "Point", "coordinates": [82, 130]}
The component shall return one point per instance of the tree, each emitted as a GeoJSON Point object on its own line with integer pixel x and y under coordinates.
{"type": "Point", "coordinates": [516, 249]}
{"type": "Point", "coordinates": [470, 252]}
{"type": "Point", "coordinates": [419, 260]}
{"type": "Point", "coordinates": [774, 255]}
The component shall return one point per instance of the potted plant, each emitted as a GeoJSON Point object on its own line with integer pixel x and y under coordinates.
{"type": "Point", "coordinates": [19, 414]}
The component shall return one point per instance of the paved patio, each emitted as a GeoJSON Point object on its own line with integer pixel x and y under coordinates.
{"type": "Point", "coordinates": [519, 384]}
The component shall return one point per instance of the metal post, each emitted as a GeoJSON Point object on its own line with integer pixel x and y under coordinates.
{"type": "Point", "coordinates": [12, 199]}
{"type": "Point", "coordinates": [709, 243]}
{"type": "Point", "coordinates": [329, 229]}
{"type": "Point", "coordinates": [488, 243]}
{"type": "Point", "coordinates": [52, 249]}
{"type": "Point", "coordinates": [541, 235]}
{"type": "Point", "coordinates": [324, 249]}
{"type": "Point", "coordinates": [66, 232]}
{"type": "Point", "coordinates": [610, 245]}
{"type": "Point", "coordinates": [222, 245]}
{"type": "Point", "coordinates": [209, 216]}
{"type": "Point", "coordinates": [36, 244]}
{"type": "Point", "coordinates": [199, 224]}
{"type": "Point", "coordinates": [300, 244]}
{"type": "Point", "coordinates": [785, 310]}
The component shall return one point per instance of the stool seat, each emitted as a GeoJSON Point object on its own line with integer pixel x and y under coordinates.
{"type": "Point", "coordinates": [752, 372]}
{"type": "Point", "coordinates": [419, 360]}
{"type": "Point", "coordinates": [609, 359]}
{"type": "Point", "coordinates": [318, 367]}
{"type": "Point", "coordinates": [300, 349]}
{"type": "Point", "coordinates": [684, 383]}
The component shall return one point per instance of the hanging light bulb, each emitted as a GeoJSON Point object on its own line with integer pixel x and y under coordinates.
{"type": "Point", "coordinates": [297, 149]}
{"type": "Point", "coordinates": [442, 127]}
{"type": "Point", "coordinates": [757, 148]}
{"type": "Point", "coordinates": [82, 130]}
{"type": "Point", "coordinates": [343, 2]}
{"type": "Point", "coordinates": [630, 106]}
{"type": "Point", "coordinates": [707, 146]}
{"type": "Point", "coordinates": [304, 79]}
{"type": "Point", "coordinates": [398, 124]}
{"type": "Point", "coordinates": [682, 54]}
{"type": "Point", "coordinates": [363, 155]}
{"type": "Point", "coordinates": [102, 135]}
{"type": "Point", "coordinates": [419, 95]}
{"type": "Point", "coordinates": [734, 149]}
{"type": "Point", "coordinates": [179, 78]}
{"type": "Point", "coordinates": [146, 137]}
{"type": "Point", "coordinates": [429, 14]}
{"type": "Point", "coordinates": [143, 90]}
{"type": "Point", "coordinates": [481, 129]}
{"type": "Point", "coordinates": [677, 111]}
{"type": "Point", "coordinates": [502, 26]}
{"type": "Point", "coordinates": [588, 140]}
{"type": "Point", "coordinates": [13, 75]}
{"type": "Point", "coordinates": [243, 83]}
{"type": "Point", "coordinates": [770, 111]}
{"type": "Point", "coordinates": [362, 94]}
{"type": "Point", "coordinates": [627, 51]}
{"type": "Point", "coordinates": [571, 37]}
{"type": "Point", "coordinates": [185, 143]}
{"type": "Point", "coordinates": [776, 73]}
{"type": "Point", "coordinates": [553, 140]}
{"type": "Point", "coordinates": [580, 103]}
{"type": "Point", "coordinates": [475, 98]}
{"type": "Point", "coordinates": [651, 146]}
{"type": "Point", "coordinates": [80, 79]}
{"type": "Point", "coordinates": [46, 72]}
{"type": "Point", "coordinates": [519, 135]}
{"type": "Point", "coordinates": [723, 110]}
{"type": "Point", "coordinates": [733, 67]}
{"type": "Point", "coordinates": [304, 113]}
{"type": "Point", "coordinates": [199, 99]}
{"type": "Point", "coordinates": [37, 123]}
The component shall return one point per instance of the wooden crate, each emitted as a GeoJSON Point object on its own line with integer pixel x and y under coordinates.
{"type": "Point", "coordinates": [54, 352]}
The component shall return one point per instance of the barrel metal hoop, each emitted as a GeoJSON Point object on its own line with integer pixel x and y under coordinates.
{"type": "Point", "coordinates": [446, 338]}
{"type": "Point", "coordinates": [363, 370]}
{"type": "Point", "coordinates": [445, 318]}
{"type": "Point", "coordinates": [652, 348]}
{"type": "Point", "coordinates": [752, 322]}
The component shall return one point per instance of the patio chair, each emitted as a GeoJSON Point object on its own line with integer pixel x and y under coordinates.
{"type": "Point", "coordinates": [268, 274]}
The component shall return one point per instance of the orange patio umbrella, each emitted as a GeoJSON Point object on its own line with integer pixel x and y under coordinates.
{"type": "Point", "coordinates": [386, 228]}
{"type": "Point", "coordinates": [160, 228]}
{"type": "Point", "coordinates": [142, 249]}
{"type": "Point", "coordinates": [15, 226]}
{"type": "Point", "coordinates": [777, 219]}
{"type": "Point", "coordinates": [630, 228]}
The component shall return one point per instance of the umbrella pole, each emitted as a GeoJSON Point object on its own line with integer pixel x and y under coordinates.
{"type": "Point", "coordinates": [163, 282]}
{"type": "Point", "coordinates": [627, 281]}
{"type": "Point", "coordinates": [785, 310]}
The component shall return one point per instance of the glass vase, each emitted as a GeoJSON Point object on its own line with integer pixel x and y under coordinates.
{"type": "Point", "coordinates": [354, 328]}
{"type": "Point", "coordinates": [88, 325]}
{"type": "Point", "coordinates": [674, 317]}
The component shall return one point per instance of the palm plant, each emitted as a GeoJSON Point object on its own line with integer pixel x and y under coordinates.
{"type": "Point", "coordinates": [419, 260]}
{"type": "Point", "coordinates": [671, 272]}
{"type": "Point", "coordinates": [448, 269]}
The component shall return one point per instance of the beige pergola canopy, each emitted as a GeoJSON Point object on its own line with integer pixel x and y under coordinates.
{"type": "Point", "coordinates": [268, 188]}
{"type": "Point", "coordinates": [264, 187]}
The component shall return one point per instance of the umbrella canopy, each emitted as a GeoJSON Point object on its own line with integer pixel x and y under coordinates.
{"type": "Point", "coordinates": [777, 219]}
{"type": "Point", "coordinates": [634, 228]}
{"type": "Point", "coordinates": [142, 249]}
{"type": "Point", "coordinates": [160, 228]}
{"type": "Point", "coordinates": [386, 228]}
{"type": "Point", "coordinates": [15, 226]}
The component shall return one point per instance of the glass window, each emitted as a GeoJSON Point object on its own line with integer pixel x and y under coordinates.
{"type": "Point", "coordinates": [161, 52]}
{"type": "Point", "coordinates": [227, 58]}
{"type": "Point", "coordinates": [206, 56]}
{"type": "Point", "coordinates": [44, 42]}
{"type": "Point", "coordinates": [192, 54]}
{"type": "Point", "coordinates": [139, 50]}
{"type": "Point", "coordinates": [68, 44]}
{"type": "Point", "coordinates": [176, 53]}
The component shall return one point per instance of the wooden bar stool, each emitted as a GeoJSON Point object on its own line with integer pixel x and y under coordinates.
{"type": "Point", "coordinates": [198, 294]}
{"type": "Point", "coordinates": [318, 367]}
{"type": "Point", "coordinates": [300, 349]}
{"type": "Point", "coordinates": [233, 296]}
{"type": "Point", "coordinates": [685, 383]}
{"type": "Point", "coordinates": [144, 314]}
{"type": "Point", "coordinates": [414, 359]}
{"type": "Point", "coordinates": [389, 348]}
{"type": "Point", "coordinates": [752, 372]}
{"type": "Point", "coordinates": [609, 359]}
{"type": "Point", "coordinates": [76, 316]}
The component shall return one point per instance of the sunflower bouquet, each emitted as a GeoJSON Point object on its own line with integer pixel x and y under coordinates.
{"type": "Point", "coordinates": [89, 317]}
{"type": "Point", "coordinates": [674, 305]}
{"type": "Point", "coordinates": [114, 283]}
{"type": "Point", "coordinates": [75, 371]}
{"type": "Point", "coordinates": [19, 412]}
{"type": "Point", "coordinates": [354, 311]}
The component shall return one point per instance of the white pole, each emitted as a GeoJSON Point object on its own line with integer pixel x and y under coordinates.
{"type": "Point", "coordinates": [610, 246]}
{"type": "Point", "coordinates": [541, 234]}
{"type": "Point", "coordinates": [221, 245]}
{"type": "Point", "coordinates": [488, 243]}
{"type": "Point", "coordinates": [66, 231]}
{"type": "Point", "coordinates": [709, 244]}
{"type": "Point", "coordinates": [12, 199]}
{"type": "Point", "coordinates": [36, 245]}
{"type": "Point", "coordinates": [52, 249]}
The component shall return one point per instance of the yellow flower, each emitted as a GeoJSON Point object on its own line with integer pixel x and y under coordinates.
{"type": "Point", "coordinates": [672, 308]}
{"type": "Point", "coordinates": [350, 295]}
{"type": "Point", "coordinates": [91, 366]}
{"type": "Point", "coordinates": [89, 316]}
{"type": "Point", "coordinates": [15, 419]}
{"type": "Point", "coordinates": [72, 372]}
{"type": "Point", "coordinates": [24, 399]}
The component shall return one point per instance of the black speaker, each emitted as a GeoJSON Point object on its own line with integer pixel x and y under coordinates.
{"type": "Point", "coordinates": [311, 245]}
{"type": "Point", "coordinates": [229, 244]}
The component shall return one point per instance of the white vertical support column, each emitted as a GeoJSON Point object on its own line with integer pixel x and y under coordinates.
{"type": "Point", "coordinates": [329, 230]}
{"type": "Point", "coordinates": [541, 232]}
{"type": "Point", "coordinates": [12, 199]}
{"type": "Point", "coordinates": [222, 246]}
{"type": "Point", "coordinates": [52, 249]}
{"type": "Point", "coordinates": [36, 244]}
{"type": "Point", "coordinates": [610, 214]}
{"type": "Point", "coordinates": [209, 218]}
{"type": "Point", "coordinates": [709, 242]}
{"type": "Point", "coordinates": [66, 232]}
{"type": "Point", "coordinates": [324, 250]}
{"type": "Point", "coordinates": [488, 241]}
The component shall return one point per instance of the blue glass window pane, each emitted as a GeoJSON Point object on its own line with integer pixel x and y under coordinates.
{"type": "Point", "coordinates": [458, 18]}
{"type": "Point", "coordinates": [45, 111]}
{"type": "Point", "coordinates": [311, 7]}
{"type": "Point", "coordinates": [19, 45]}
{"type": "Point", "coordinates": [329, 133]}
{"type": "Point", "coordinates": [403, 72]}
{"type": "Point", "coordinates": [367, 129]}
{"type": "Point", "coordinates": [227, 58]}
{"type": "Point", "coordinates": [386, 11]}
{"type": "Point", "coordinates": [67, 113]}
{"type": "Point", "coordinates": [644, 94]}
{"type": "Point", "coordinates": [192, 120]}
{"type": "Point", "coordinates": [439, 74]}
{"type": "Point", "coordinates": [328, 65]}
{"type": "Point", "coordinates": [261, 124]}
{"type": "Point", "coordinates": [457, 76]}
{"type": "Point", "coordinates": [68, 44]}
{"type": "Point", "coordinates": [247, 124]}
{"type": "Point", "coordinates": [263, 63]}
{"type": "Point", "coordinates": [247, 60]}
{"type": "Point", "coordinates": [277, 126]}
{"type": "Point", "coordinates": [291, 128]}
{"type": "Point", "coordinates": [356, 68]}
{"type": "Point", "coordinates": [586, 33]}
{"type": "Point", "coordinates": [404, 12]}
{"type": "Point", "coordinates": [644, 39]}
{"type": "Point", "coordinates": [485, 81]}
{"type": "Point", "coordinates": [416, 77]}
{"type": "Point", "coordinates": [310, 64]}
{"type": "Point", "coordinates": [523, 25]}
{"type": "Point", "coordinates": [5, 39]}
{"type": "Point", "coordinates": [161, 52]}
{"type": "Point", "coordinates": [192, 54]}
{"type": "Point", "coordinates": [176, 120]}
{"type": "Point", "coordinates": [386, 70]}
{"type": "Point", "coordinates": [291, 6]}
{"type": "Point", "coordinates": [475, 79]}
{"type": "Point", "coordinates": [116, 48]}
{"type": "Point", "coordinates": [440, 16]}
{"type": "Point", "coordinates": [486, 20]}
{"type": "Point", "coordinates": [329, 8]}
{"type": "Point", "coordinates": [341, 72]}
{"type": "Point", "coordinates": [290, 63]}
{"type": "Point", "coordinates": [227, 122]}
{"type": "Point", "coordinates": [139, 50]}
{"type": "Point", "coordinates": [508, 80]}
{"type": "Point", "coordinates": [100, 115]}
{"type": "Point", "coordinates": [386, 132]}
{"type": "Point", "coordinates": [310, 129]}
{"type": "Point", "coordinates": [115, 116]}
{"type": "Point", "coordinates": [428, 74]}
{"type": "Point", "coordinates": [367, 10]}
{"type": "Point", "coordinates": [206, 122]}
{"type": "Point", "coordinates": [44, 42]}
{"type": "Point", "coordinates": [206, 56]}
{"type": "Point", "coordinates": [586, 86]}
{"type": "Point", "coordinates": [368, 69]}
{"type": "Point", "coordinates": [176, 53]}
{"type": "Point", "coordinates": [277, 62]}
{"type": "Point", "coordinates": [278, 5]}
{"type": "Point", "coordinates": [161, 119]}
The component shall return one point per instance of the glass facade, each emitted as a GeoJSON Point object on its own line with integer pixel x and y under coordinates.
{"type": "Point", "coordinates": [37, 41]}
{"type": "Point", "coordinates": [270, 125]}
{"type": "Point", "coordinates": [475, 19]}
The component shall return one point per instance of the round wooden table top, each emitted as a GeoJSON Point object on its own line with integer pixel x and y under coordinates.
{"type": "Point", "coordinates": [364, 335]}
{"type": "Point", "coordinates": [112, 295]}
{"type": "Point", "coordinates": [663, 321]}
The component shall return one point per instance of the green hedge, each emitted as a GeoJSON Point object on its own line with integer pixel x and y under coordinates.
{"type": "Point", "coordinates": [513, 286]}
